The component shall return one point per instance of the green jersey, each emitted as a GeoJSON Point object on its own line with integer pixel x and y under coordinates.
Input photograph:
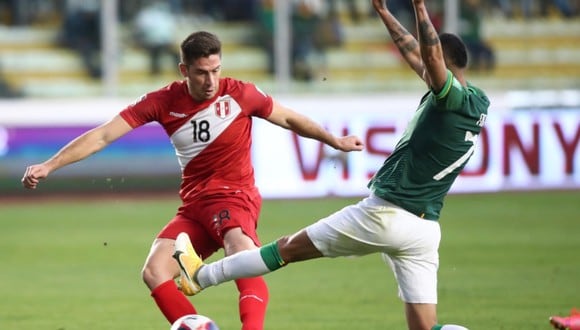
{"type": "Point", "coordinates": [434, 148]}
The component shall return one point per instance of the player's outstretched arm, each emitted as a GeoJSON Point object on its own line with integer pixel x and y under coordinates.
{"type": "Point", "coordinates": [430, 47]}
{"type": "Point", "coordinates": [80, 148]}
{"type": "Point", "coordinates": [306, 127]}
{"type": "Point", "coordinates": [405, 42]}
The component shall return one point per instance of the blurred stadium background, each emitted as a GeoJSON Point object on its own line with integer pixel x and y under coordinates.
{"type": "Point", "coordinates": [535, 43]}
{"type": "Point", "coordinates": [66, 66]}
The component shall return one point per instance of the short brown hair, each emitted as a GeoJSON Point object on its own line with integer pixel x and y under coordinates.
{"type": "Point", "coordinates": [199, 44]}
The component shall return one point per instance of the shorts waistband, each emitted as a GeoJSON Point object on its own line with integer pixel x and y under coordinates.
{"type": "Point", "coordinates": [391, 204]}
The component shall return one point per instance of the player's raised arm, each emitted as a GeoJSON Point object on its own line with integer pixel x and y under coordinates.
{"type": "Point", "coordinates": [306, 127]}
{"type": "Point", "coordinates": [430, 48]}
{"type": "Point", "coordinates": [80, 148]}
{"type": "Point", "coordinates": [405, 42]}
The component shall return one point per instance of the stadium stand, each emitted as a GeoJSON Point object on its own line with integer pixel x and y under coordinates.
{"type": "Point", "coordinates": [531, 54]}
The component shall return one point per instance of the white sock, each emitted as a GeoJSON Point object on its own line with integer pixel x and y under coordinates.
{"type": "Point", "coordinates": [243, 264]}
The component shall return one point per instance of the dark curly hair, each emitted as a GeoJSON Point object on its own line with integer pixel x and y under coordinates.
{"type": "Point", "coordinates": [454, 50]}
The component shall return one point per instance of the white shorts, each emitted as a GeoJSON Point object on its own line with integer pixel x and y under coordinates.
{"type": "Point", "coordinates": [408, 244]}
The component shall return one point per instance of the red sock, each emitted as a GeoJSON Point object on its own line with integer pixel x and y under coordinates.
{"type": "Point", "coordinates": [172, 302]}
{"type": "Point", "coordinates": [253, 302]}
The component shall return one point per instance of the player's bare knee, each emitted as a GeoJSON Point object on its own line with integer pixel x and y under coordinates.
{"type": "Point", "coordinates": [154, 276]}
{"type": "Point", "coordinates": [147, 275]}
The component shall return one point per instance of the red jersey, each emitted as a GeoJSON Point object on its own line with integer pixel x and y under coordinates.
{"type": "Point", "coordinates": [212, 139]}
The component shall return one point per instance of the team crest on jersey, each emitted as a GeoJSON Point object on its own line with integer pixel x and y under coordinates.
{"type": "Point", "coordinates": [222, 109]}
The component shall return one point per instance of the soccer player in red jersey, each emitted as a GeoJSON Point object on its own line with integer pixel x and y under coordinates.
{"type": "Point", "coordinates": [209, 122]}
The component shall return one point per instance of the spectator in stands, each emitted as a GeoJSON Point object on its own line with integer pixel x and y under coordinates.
{"type": "Point", "coordinates": [265, 30]}
{"type": "Point", "coordinates": [239, 10]}
{"type": "Point", "coordinates": [312, 33]}
{"type": "Point", "coordinates": [482, 56]}
{"type": "Point", "coordinates": [306, 15]}
{"type": "Point", "coordinates": [563, 6]}
{"type": "Point", "coordinates": [81, 31]}
{"type": "Point", "coordinates": [353, 11]}
{"type": "Point", "coordinates": [507, 9]}
{"type": "Point", "coordinates": [27, 12]}
{"type": "Point", "coordinates": [527, 6]}
{"type": "Point", "coordinates": [154, 30]}
{"type": "Point", "coordinates": [329, 32]}
{"type": "Point", "coordinates": [6, 89]}
{"type": "Point", "coordinates": [228, 10]}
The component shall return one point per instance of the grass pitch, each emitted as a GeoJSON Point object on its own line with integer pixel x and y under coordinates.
{"type": "Point", "coordinates": [508, 261]}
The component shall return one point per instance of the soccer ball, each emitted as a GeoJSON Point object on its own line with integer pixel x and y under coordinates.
{"type": "Point", "coordinates": [194, 322]}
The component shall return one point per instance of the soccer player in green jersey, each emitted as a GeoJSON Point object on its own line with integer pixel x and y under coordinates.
{"type": "Point", "coordinates": [399, 219]}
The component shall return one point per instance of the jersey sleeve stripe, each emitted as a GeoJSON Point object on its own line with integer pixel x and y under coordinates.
{"type": "Point", "coordinates": [447, 87]}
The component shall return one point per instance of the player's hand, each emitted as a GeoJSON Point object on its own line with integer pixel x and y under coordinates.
{"type": "Point", "coordinates": [349, 143]}
{"type": "Point", "coordinates": [33, 175]}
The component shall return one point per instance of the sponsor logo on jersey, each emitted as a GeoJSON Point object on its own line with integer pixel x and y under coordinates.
{"type": "Point", "coordinates": [139, 99]}
{"type": "Point", "coordinates": [222, 109]}
{"type": "Point", "coordinates": [177, 114]}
